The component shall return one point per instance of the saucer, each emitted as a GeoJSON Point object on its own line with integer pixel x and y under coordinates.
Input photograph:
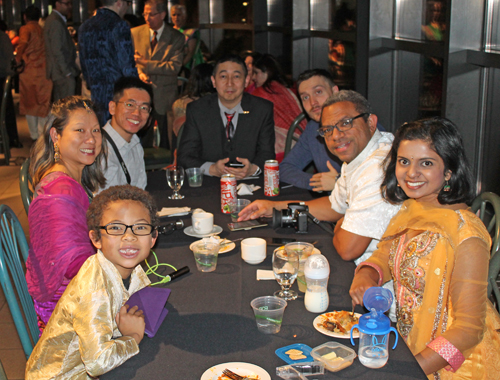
{"type": "Point", "coordinates": [226, 248]}
{"type": "Point", "coordinates": [190, 231]}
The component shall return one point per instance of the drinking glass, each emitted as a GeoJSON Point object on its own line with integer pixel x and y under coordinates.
{"type": "Point", "coordinates": [175, 179]}
{"type": "Point", "coordinates": [285, 268]}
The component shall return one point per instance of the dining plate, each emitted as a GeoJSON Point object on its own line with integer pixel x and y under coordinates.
{"type": "Point", "coordinates": [318, 321]}
{"type": "Point", "coordinates": [190, 231]}
{"type": "Point", "coordinates": [243, 369]}
{"type": "Point", "coordinates": [226, 248]}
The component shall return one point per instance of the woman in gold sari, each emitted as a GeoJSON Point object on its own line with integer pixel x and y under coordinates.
{"type": "Point", "coordinates": [437, 253]}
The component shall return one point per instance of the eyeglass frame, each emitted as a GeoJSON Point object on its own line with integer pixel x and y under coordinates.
{"type": "Point", "coordinates": [136, 106]}
{"type": "Point", "coordinates": [323, 130]}
{"type": "Point", "coordinates": [150, 14]}
{"type": "Point", "coordinates": [105, 228]}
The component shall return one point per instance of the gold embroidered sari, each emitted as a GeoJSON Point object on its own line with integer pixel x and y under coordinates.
{"type": "Point", "coordinates": [440, 289]}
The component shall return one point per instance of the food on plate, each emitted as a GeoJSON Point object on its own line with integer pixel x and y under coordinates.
{"type": "Point", "coordinates": [338, 321]}
{"type": "Point", "coordinates": [297, 356]}
{"type": "Point", "coordinates": [253, 377]}
{"type": "Point", "coordinates": [293, 351]}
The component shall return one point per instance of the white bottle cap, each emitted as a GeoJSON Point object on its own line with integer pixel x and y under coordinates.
{"type": "Point", "coordinates": [316, 267]}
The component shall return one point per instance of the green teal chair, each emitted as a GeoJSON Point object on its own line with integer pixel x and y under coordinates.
{"type": "Point", "coordinates": [3, 376]}
{"type": "Point", "coordinates": [26, 185]}
{"type": "Point", "coordinates": [290, 137]}
{"type": "Point", "coordinates": [3, 127]}
{"type": "Point", "coordinates": [487, 207]}
{"type": "Point", "coordinates": [13, 247]}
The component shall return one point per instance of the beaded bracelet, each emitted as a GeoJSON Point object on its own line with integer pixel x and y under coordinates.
{"type": "Point", "coordinates": [448, 352]}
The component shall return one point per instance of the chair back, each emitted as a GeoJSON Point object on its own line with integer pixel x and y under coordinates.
{"type": "Point", "coordinates": [182, 86]}
{"type": "Point", "coordinates": [13, 247]}
{"type": "Point", "coordinates": [290, 135]}
{"type": "Point", "coordinates": [157, 157]}
{"type": "Point", "coordinates": [3, 125]}
{"type": "Point", "coordinates": [487, 207]}
{"type": "Point", "coordinates": [26, 185]}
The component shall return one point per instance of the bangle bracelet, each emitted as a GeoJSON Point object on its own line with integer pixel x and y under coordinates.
{"type": "Point", "coordinates": [448, 352]}
{"type": "Point", "coordinates": [374, 266]}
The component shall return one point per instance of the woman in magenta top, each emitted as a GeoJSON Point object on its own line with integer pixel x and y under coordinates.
{"type": "Point", "coordinates": [271, 85]}
{"type": "Point", "coordinates": [65, 168]}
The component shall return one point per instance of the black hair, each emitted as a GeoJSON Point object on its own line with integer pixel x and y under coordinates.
{"type": "Point", "coordinates": [444, 138]}
{"type": "Point", "coordinates": [231, 58]}
{"type": "Point", "coordinates": [32, 13]}
{"type": "Point", "coordinates": [269, 65]}
{"type": "Point", "coordinates": [124, 83]}
{"type": "Point", "coordinates": [114, 194]}
{"type": "Point", "coordinates": [200, 81]}
{"type": "Point", "coordinates": [308, 74]}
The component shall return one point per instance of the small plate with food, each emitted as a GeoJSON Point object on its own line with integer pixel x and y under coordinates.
{"type": "Point", "coordinates": [295, 353]}
{"type": "Point", "coordinates": [337, 324]}
{"type": "Point", "coordinates": [249, 370]}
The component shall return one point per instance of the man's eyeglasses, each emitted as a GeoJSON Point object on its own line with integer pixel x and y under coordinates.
{"type": "Point", "coordinates": [342, 126]}
{"type": "Point", "coordinates": [146, 15]}
{"type": "Point", "coordinates": [65, 2]}
{"type": "Point", "coordinates": [132, 106]}
{"type": "Point", "coordinates": [118, 229]}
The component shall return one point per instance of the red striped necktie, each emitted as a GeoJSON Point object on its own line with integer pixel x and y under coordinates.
{"type": "Point", "coordinates": [154, 41]}
{"type": "Point", "coordinates": [229, 125]}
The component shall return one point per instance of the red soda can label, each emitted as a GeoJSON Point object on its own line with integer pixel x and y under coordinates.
{"type": "Point", "coordinates": [271, 178]}
{"type": "Point", "coordinates": [227, 192]}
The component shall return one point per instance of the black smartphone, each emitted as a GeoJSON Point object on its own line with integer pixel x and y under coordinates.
{"type": "Point", "coordinates": [279, 241]}
{"type": "Point", "coordinates": [246, 225]}
{"type": "Point", "coordinates": [234, 164]}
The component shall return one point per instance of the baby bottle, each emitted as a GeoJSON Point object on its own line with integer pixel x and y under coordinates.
{"type": "Point", "coordinates": [374, 328]}
{"type": "Point", "coordinates": [316, 271]}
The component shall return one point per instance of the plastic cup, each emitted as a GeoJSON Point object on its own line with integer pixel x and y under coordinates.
{"type": "Point", "coordinates": [268, 312]}
{"type": "Point", "coordinates": [236, 207]}
{"type": "Point", "coordinates": [304, 250]}
{"type": "Point", "coordinates": [195, 177]}
{"type": "Point", "coordinates": [205, 255]}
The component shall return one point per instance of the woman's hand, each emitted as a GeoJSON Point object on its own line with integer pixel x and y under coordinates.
{"type": "Point", "coordinates": [364, 279]}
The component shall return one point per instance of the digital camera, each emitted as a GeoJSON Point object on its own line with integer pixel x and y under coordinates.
{"type": "Point", "coordinates": [294, 216]}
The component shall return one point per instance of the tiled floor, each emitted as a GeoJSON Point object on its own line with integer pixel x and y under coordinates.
{"type": "Point", "coordinates": [11, 353]}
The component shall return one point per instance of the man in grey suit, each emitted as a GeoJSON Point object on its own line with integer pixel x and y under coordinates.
{"type": "Point", "coordinates": [60, 51]}
{"type": "Point", "coordinates": [158, 54]}
{"type": "Point", "coordinates": [228, 128]}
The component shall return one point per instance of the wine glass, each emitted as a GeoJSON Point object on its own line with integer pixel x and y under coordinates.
{"type": "Point", "coordinates": [285, 268]}
{"type": "Point", "coordinates": [175, 179]}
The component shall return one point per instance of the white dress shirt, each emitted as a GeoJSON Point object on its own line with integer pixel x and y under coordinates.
{"type": "Point", "coordinates": [133, 156]}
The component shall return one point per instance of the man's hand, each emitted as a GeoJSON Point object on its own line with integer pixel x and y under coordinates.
{"type": "Point", "coordinates": [139, 58]}
{"type": "Point", "coordinates": [324, 181]}
{"type": "Point", "coordinates": [247, 170]}
{"type": "Point", "coordinates": [144, 78]}
{"type": "Point", "coordinates": [364, 279]}
{"type": "Point", "coordinates": [256, 209]}
{"type": "Point", "coordinates": [219, 168]}
{"type": "Point", "coordinates": [131, 323]}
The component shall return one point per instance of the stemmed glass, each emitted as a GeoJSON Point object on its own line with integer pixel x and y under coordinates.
{"type": "Point", "coordinates": [175, 179]}
{"type": "Point", "coordinates": [285, 268]}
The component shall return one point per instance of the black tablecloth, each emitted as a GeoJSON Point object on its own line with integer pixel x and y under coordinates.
{"type": "Point", "coordinates": [210, 320]}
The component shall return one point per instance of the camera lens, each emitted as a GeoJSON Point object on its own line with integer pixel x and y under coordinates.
{"type": "Point", "coordinates": [276, 218]}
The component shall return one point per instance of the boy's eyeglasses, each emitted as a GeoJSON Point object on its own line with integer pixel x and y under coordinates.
{"type": "Point", "coordinates": [139, 229]}
{"type": "Point", "coordinates": [132, 106]}
{"type": "Point", "coordinates": [342, 126]}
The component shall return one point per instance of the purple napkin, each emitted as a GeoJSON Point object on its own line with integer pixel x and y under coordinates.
{"type": "Point", "coordinates": [152, 302]}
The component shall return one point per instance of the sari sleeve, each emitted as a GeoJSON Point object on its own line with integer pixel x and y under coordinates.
{"type": "Point", "coordinates": [59, 237]}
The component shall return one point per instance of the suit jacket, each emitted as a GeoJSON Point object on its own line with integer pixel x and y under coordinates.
{"type": "Point", "coordinates": [204, 136]}
{"type": "Point", "coordinates": [163, 63]}
{"type": "Point", "coordinates": [60, 50]}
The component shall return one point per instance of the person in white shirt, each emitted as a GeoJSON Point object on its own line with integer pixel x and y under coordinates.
{"type": "Point", "coordinates": [130, 111]}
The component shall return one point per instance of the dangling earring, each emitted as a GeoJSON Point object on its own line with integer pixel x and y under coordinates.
{"type": "Point", "coordinates": [446, 186]}
{"type": "Point", "coordinates": [57, 154]}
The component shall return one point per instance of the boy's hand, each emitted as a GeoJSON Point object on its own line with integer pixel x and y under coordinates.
{"type": "Point", "coordinates": [131, 323]}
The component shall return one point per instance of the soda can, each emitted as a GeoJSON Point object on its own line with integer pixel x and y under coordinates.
{"type": "Point", "coordinates": [227, 192]}
{"type": "Point", "coordinates": [271, 178]}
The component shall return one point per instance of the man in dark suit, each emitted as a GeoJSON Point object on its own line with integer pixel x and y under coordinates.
{"type": "Point", "coordinates": [60, 51]}
{"type": "Point", "coordinates": [106, 53]}
{"type": "Point", "coordinates": [228, 127]}
{"type": "Point", "coordinates": [158, 54]}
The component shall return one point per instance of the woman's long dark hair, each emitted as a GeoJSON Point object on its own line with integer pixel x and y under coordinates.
{"type": "Point", "coordinates": [444, 138]}
{"type": "Point", "coordinates": [200, 82]}
{"type": "Point", "coordinates": [269, 65]}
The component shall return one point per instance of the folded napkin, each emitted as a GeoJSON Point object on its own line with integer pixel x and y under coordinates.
{"type": "Point", "coordinates": [265, 274]}
{"type": "Point", "coordinates": [152, 302]}
{"type": "Point", "coordinates": [244, 189]}
{"type": "Point", "coordinates": [174, 211]}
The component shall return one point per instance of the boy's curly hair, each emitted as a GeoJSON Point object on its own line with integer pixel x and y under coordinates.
{"type": "Point", "coordinates": [118, 193]}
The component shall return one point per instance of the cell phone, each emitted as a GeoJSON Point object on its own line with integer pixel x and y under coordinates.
{"type": "Point", "coordinates": [246, 225]}
{"type": "Point", "coordinates": [235, 164]}
{"type": "Point", "coordinates": [279, 241]}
